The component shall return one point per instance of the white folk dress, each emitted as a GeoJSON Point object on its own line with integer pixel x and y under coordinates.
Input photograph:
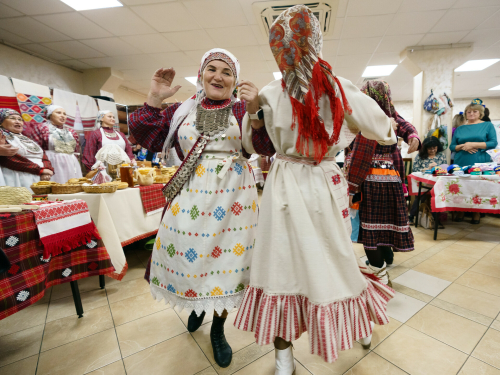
{"type": "Point", "coordinates": [305, 275]}
{"type": "Point", "coordinates": [65, 164]}
{"type": "Point", "coordinates": [201, 257]}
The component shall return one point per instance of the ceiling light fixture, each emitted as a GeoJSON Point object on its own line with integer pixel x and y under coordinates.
{"type": "Point", "coordinates": [378, 70]}
{"type": "Point", "coordinates": [495, 88]}
{"type": "Point", "coordinates": [92, 4]}
{"type": "Point", "coordinates": [277, 75]}
{"type": "Point", "coordinates": [192, 80]}
{"type": "Point", "coordinates": [475, 65]}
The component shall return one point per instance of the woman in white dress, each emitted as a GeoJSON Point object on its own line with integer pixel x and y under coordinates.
{"type": "Point", "coordinates": [30, 164]}
{"type": "Point", "coordinates": [305, 275]}
{"type": "Point", "coordinates": [60, 144]}
{"type": "Point", "coordinates": [201, 258]}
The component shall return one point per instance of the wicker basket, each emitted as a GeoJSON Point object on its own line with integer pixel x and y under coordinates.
{"type": "Point", "coordinates": [162, 179]}
{"type": "Point", "coordinates": [15, 195]}
{"type": "Point", "coordinates": [47, 189]}
{"type": "Point", "coordinates": [66, 189]}
{"type": "Point", "coordinates": [97, 189]}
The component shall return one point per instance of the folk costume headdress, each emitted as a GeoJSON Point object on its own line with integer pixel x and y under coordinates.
{"type": "Point", "coordinates": [30, 145]}
{"type": "Point", "coordinates": [6, 112]}
{"type": "Point", "coordinates": [380, 92]}
{"type": "Point", "coordinates": [296, 42]}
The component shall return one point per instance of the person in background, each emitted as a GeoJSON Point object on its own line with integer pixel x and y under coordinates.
{"type": "Point", "coordinates": [458, 120]}
{"type": "Point", "coordinates": [486, 116]}
{"type": "Point", "coordinates": [431, 155]}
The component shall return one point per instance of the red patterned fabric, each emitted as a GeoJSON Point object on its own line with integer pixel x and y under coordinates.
{"type": "Point", "coordinates": [9, 102]}
{"type": "Point", "coordinates": [40, 134]}
{"type": "Point", "coordinates": [21, 164]}
{"type": "Point", "coordinates": [94, 144]}
{"type": "Point", "coordinates": [152, 197]}
{"type": "Point", "coordinates": [262, 143]}
{"type": "Point", "coordinates": [31, 274]}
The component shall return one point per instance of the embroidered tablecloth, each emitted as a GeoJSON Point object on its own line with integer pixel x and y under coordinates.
{"type": "Point", "coordinates": [152, 198]}
{"type": "Point", "coordinates": [30, 273]}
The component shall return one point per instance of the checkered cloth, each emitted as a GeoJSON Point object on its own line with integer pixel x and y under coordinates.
{"type": "Point", "coordinates": [30, 273]}
{"type": "Point", "coordinates": [152, 198]}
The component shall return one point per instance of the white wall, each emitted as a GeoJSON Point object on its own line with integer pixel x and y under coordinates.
{"type": "Point", "coordinates": [124, 96]}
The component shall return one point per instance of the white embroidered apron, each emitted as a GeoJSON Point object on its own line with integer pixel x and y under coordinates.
{"type": "Point", "coordinates": [201, 258]}
{"type": "Point", "coordinates": [65, 165]}
{"type": "Point", "coordinates": [106, 141]}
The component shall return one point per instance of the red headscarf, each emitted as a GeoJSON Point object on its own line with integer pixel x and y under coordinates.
{"type": "Point", "coordinates": [296, 41]}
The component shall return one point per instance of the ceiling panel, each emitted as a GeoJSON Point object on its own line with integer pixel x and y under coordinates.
{"type": "Point", "coordinates": [161, 17]}
{"type": "Point", "coordinates": [474, 3]}
{"type": "Point", "coordinates": [111, 46]}
{"type": "Point", "coordinates": [423, 5]}
{"type": "Point", "coordinates": [233, 36]}
{"type": "Point", "coordinates": [397, 43]}
{"type": "Point", "coordinates": [491, 22]}
{"type": "Point", "coordinates": [254, 67]}
{"type": "Point", "coordinates": [372, 8]}
{"type": "Point", "coordinates": [463, 19]}
{"type": "Point", "coordinates": [352, 61]}
{"type": "Point", "coordinates": [414, 23]}
{"type": "Point", "coordinates": [33, 30]}
{"type": "Point", "coordinates": [141, 2]}
{"type": "Point", "coordinates": [119, 21]}
{"type": "Point", "coordinates": [174, 59]}
{"type": "Point", "coordinates": [150, 43]}
{"type": "Point", "coordinates": [342, 8]}
{"type": "Point", "coordinates": [358, 45]}
{"type": "Point", "coordinates": [443, 38]}
{"type": "Point", "coordinates": [259, 35]}
{"type": "Point", "coordinates": [384, 59]}
{"type": "Point", "coordinates": [74, 25]}
{"type": "Point", "coordinates": [73, 49]}
{"type": "Point", "coordinates": [208, 13]}
{"type": "Point", "coordinates": [7, 12]}
{"type": "Point", "coordinates": [191, 40]}
{"type": "Point", "coordinates": [485, 37]}
{"type": "Point", "coordinates": [12, 38]}
{"type": "Point", "coordinates": [247, 54]}
{"type": "Point", "coordinates": [44, 51]}
{"type": "Point", "coordinates": [77, 64]}
{"type": "Point", "coordinates": [32, 7]}
{"type": "Point", "coordinates": [246, 6]}
{"type": "Point", "coordinates": [330, 48]}
{"type": "Point", "coordinates": [360, 27]}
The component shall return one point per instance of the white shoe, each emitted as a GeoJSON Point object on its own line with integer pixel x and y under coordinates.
{"type": "Point", "coordinates": [367, 341]}
{"type": "Point", "coordinates": [285, 365]}
{"type": "Point", "coordinates": [382, 274]}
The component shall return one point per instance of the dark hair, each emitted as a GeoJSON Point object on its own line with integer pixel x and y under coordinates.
{"type": "Point", "coordinates": [486, 116]}
{"type": "Point", "coordinates": [429, 142]}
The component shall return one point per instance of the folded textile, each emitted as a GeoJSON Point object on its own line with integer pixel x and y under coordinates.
{"type": "Point", "coordinates": [8, 97]}
{"type": "Point", "coordinates": [105, 105]}
{"type": "Point", "coordinates": [64, 225]}
{"type": "Point", "coordinates": [32, 99]}
{"type": "Point", "coordinates": [88, 111]}
{"type": "Point", "coordinates": [67, 100]}
{"type": "Point", "coordinates": [152, 198]}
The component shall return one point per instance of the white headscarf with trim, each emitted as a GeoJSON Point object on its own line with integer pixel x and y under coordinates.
{"type": "Point", "coordinates": [99, 118]}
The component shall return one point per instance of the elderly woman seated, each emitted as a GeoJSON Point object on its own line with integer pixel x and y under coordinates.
{"type": "Point", "coordinates": [29, 164]}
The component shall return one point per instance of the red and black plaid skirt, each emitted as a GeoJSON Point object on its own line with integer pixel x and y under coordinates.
{"type": "Point", "coordinates": [384, 217]}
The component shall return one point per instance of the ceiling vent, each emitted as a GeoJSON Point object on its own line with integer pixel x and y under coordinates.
{"type": "Point", "coordinates": [266, 12]}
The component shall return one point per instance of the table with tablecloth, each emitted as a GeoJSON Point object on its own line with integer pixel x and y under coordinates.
{"type": "Point", "coordinates": [31, 274]}
{"type": "Point", "coordinates": [121, 218]}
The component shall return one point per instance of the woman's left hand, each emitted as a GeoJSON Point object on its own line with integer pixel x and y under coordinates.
{"type": "Point", "coordinates": [250, 93]}
{"type": "Point", "coordinates": [45, 177]}
{"type": "Point", "coordinates": [413, 145]}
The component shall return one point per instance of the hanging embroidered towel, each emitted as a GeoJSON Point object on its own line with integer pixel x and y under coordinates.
{"type": "Point", "coordinates": [104, 105]}
{"type": "Point", "coordinates": [88, 111]}
{"type": "Point", "coordinates": [8, 97]}
{"type": "Point", "coordinates": [32, 99]}
{"type": "Point", "coordinates": [67, 100]}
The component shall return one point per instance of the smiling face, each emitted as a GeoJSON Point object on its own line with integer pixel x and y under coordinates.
{"type": "Point", "coordinates": [218, 80]}
{"type": "Point", "coordinates": [58, 117]}
{"type": "Point", "coordinates": [432, 150]}
{"type": "Point", "coordinates": [13, 123]}
{"type": "Point", "coordinates": [473, 115]}
{"type": "Point", "coordinates": [108, 121]}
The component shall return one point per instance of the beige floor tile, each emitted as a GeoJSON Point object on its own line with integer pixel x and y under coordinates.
{"type": "Point", "coordinates": [400, 257]}
{"type": "Point", "coordinates": [488, 228]}
{"type": "Point", "coordinates": [450, 257]}
{"type": "Point", "coordinates": [442, 325]}
{"type": "Point", "coordinates": [411, 292]}
{"type": "Point", "coordinates": [244, 357]}
{"type": "Point", "coordinates": [397, 271]}
{"type": "Point", "coordinates": [496, 325]}
{"type": "Point", "coordinates": [380, 333]}
{"type": "Point", "coordinates": [487, 267]}
{"type": "Point", "coordinates": [493, 256]}
{"type": "Point", "coordinates": [238, 339]}
{"type": "Point", "coordinates": [402, 307]}
{"type": "Point", "coordinates": [316, 364]}
{"type": "Point", "coordinates": [20, 345]}
{"type": "Point", "coordinates": [29, 317]}
{"type": "Point", "coordinates": [468, 241]}
{"type": "Point", "coordinates": [121, 291]}
{"type": "Point", "coordinates": [65, 307]}
{"type": "Point", "coordinates": [84, 285]}
{"type": "Point", "coordinates": [476, 367]}
{"type": "Point", "coordinates": [374, 364]}
{"type": "Point", "coordinates": [134, 272]}
{"type": "Point", "coordinates": [23, 367]}
{"type": "Point", "coordinates": [407, 347]}
{"type": "Point", "coordinates": [422, 282]}
{"type": "Point", "coordinates": [208, 371]}
{"type": "Point", "coordinates": [63, 331]}
{"type": "Point", "coordinates": [81, 356]}
{"type": "Point", "coordinates": [471, 252]}
{"type": "Point", "coordinates": [179, 355]}
{"type": "Point", "coordinates": [184, 315]}
{"type": "Point", "coordinates": [150, 330]}
{"type": "Point", "coordinates": [488, 348]}
{"type": "Point", "coordinates": [116, 368]}
{"type": "Point", "coordinates": [491, 238]}
{"type": "Point", "coordinates": [468, 314]}
{"type": "Point", "coordinates": [136, 307]}
{"type": "Point", "coordinates": [484, 283]}
{"type": "Point", "coordinates": [266, 365]}
{"type": "Point", "coordinates": [471, 299]}
{"type": "Point", "coordinates": [440, 270]}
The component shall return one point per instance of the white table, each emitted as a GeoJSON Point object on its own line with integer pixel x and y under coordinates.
{"type": "Point", "coordinates": [120, 219]}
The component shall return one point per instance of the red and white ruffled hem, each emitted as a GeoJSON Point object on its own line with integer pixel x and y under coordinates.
{"type": "Point", "coordinates": [332, 327]}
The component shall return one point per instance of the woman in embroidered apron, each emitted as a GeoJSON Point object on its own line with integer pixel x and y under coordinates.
{"type": "Point", "coordinates": [372, 171]}
{"type": "Point", "coordinates": [30, 164]}
{"type": "Point", "coordinates": [305, 275]}
{"type": "Point", "coordinates": [60, 143]}
{"type": "Point", "coordinates": [104, 135]}
{"type": "Point", "coordinates": [201, 258]}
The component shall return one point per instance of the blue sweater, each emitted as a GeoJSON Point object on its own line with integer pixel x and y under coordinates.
{"type": "Point", "coordinates": [482, 132]}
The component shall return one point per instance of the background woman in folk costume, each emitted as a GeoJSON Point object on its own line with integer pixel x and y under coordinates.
{"type": "Point", "coordinates": [201, 258]}
{"type": "Point", "coordinates": [305, 275]}
{"type": "Point", "coordinates": [59, 142]}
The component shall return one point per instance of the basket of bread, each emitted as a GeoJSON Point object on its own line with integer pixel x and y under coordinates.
{"type": "Point", "coordinates": [80, 181]}
{"type": "Point", "coordinates": [43, 187]}
{"type": "Point", "coordinates": [164, 174]}
{"type": "Point", "coordinates": [14, 195]}
{"type": "Point", "coordinates": [66, 188]}
{"type": "Point", "coordinates": [106, 187]}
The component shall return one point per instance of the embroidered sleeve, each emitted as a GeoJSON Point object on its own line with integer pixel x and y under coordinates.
{"type": "Point", "coordinates": [150, 125]}
{"type": "Point", "coordinates": [239, 110]}
{"type": "Point", "coordinates": [262, 142]}
{"type": "Point", "coordinates": [361, 158]}
{"type": "Point", "coordinates": [46, 163]}
{"type": "Point", "coordinates": [93, 144]}
{"type": "Point", "coordinates": [77, 139]}
{"type": "Point", "coordinates": [406, 130]}
{"type": "Point", "coordinates": [20, 164]}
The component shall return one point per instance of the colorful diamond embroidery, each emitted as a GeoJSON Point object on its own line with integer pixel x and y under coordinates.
{"type": "Point", "coordinates": [200, 170]}
{"type": "Point", "coordinates": [218, 168]}
{"type": "Point", "coordinates": [171, 250]}
{"type": "Point", "coordinates": [216, 291]}
{"type": "Point", "coordinates": [238, 168]}
{"type": "Point", "coordinates": [158, 243]}
{"type": "Point", "coordinates": [23, 295]}
{"type": "Point", "coordinates": [13, 269]}
{"type": "Point", "coordinates": [345, 213]}
{"type": "Point", "coordinates": [216, 252]}
{"type": "Point", "coordinates": [93, 266]}
{"type": "Point", "coordinates": [91, 244]}
{"type": "Point", "coordinates": [191, 255]}
{"type": "Point", "coordinates": [175, 209]}
{"type": "Point", "coordinates": [336, 179]}
{"type": "Point", "coordinates": [239, 288]}
{"type": "Point", "coordinates": [219, 213]}
{"type": "Point", "coordinates": [194, 212]}
{"type": "Point", "coordinates": [12, 241]}
{"type": "Point", "coordinates": [155, 281]}
{"type": "Point", "coordinates": [171, 288]}
{"type": "Point", "coordinates": [254, 206]}
{"type": "Point", "coordinates": [190, 293]}
{"type": "Point", "coordinates": [236, 208]}
{"type": "Point", "coordinates": [238, 249]}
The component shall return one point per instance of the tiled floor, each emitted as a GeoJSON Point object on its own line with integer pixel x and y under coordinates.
{"type": "Point", "coordinates": [444, 320]}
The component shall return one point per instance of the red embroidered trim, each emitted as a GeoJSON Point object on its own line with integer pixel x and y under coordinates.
{"type": "Point", "coordinates": [392, 227]}
{"type": "Point", "coordinates": [205, 103]}
{"type": "Point", "coordinates": [68, 240]}
{"type": "Point", "coordinates": [138, 238]}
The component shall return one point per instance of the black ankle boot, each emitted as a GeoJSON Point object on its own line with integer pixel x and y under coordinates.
{"type": "Point", "coordinates": [194, 321]}
{"type": "Point", "coordinates": [223, 354]}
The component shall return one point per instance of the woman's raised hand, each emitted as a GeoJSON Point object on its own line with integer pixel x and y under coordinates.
{"type": "Point", "coordinates": [160, 88]}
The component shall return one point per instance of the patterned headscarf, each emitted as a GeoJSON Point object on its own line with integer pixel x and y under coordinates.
{"type": "Point", "coordinates": [99, 118]}
{"type": "Point", "coordinates": [6, 112]}
{"type": "Point", "coordinates": [51, 108]}
{"type": "Point", "coordinates": [380, 92]}
{"type": "Point", "coordinates": [296, 42]}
